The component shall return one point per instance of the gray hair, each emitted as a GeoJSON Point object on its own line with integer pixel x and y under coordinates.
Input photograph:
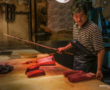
{"type": "Point", "coordinates": [78, 7]}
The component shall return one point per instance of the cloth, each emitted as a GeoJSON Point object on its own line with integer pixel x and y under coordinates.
{"type": "Point", "coordinates": [80, 49]}
{"type": "Point", "coordinates": [82, 77]}
{"type": "Point", "coordinates": [75, 72]}
{"type": "Point", "coordinates": [86, 64]}
{"type": "Point", "coordinates": [4, 69]}
{"type": "Point", "coordinates": [84, 59]}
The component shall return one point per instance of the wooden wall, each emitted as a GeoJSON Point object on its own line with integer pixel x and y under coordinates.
{"type": "Point", "coordinates": [3, 29]}
{"type": "Point", "coordinates": [18, 28]}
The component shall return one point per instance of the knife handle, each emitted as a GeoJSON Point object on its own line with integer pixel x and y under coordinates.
{"type": "Point", "coordinates": [67, 53]}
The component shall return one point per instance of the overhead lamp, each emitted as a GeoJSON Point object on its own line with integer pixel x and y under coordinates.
{"type": "Point", "coordinates": [22, 1]}
{"type": "Point", "coordinates": [9, 1]}
{"type": "Point", "coordinates": [62, 1]}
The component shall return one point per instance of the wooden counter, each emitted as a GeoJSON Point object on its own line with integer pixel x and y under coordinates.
{"type": "Point", "coordinates": [53, 80]}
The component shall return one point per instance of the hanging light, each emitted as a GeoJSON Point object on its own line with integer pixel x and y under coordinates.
{"type": "Point", "coordinates": [1, 1]}
{"type": "Point", "coordinates": [22, 1]}
{"type": "Point", "coordinates": [9, 1]}
{"type": "Point", "coordinates": [62, 1]}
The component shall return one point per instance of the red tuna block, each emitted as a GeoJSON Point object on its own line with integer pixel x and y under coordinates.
{"type": "Point", "coordinates": [50, 60]}
{"type": "Point", "coordinates": [31, 68]}
{"type": "Point", "coordinates": [77, 78]}
{"type": "Point", "coordinates": [46, 63]}
{"type": "Point", "coordinates": [67, 73]}
{"type": "Point", "coordinates": [35, 73]}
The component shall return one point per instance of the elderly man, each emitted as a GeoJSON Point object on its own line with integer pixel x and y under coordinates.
{"type": "Point", "coordinates": [88, 34]}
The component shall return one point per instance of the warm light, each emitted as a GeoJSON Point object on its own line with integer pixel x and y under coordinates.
{"type": "Point", "coordinates": [62, 1]}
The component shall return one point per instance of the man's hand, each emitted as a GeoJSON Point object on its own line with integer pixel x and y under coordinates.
{"type": "Point", "coordinates": [59, 50]}
{"type": "Point", "coordinates": [99, 75]}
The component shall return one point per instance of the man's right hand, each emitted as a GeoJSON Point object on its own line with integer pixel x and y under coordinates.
{"type": "Point", "coordinates": [59, 50]}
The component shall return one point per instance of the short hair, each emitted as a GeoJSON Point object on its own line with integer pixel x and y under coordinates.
{"type": "Point", "coordinates": [78, 7]}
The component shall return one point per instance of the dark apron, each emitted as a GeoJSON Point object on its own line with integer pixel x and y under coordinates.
{"type": "Point", "coordinates": [84, 63]}
{"type": "Point", "coordinates": [84, 59]}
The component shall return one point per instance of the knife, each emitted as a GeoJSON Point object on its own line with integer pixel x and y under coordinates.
{"type": "Point", "coordinates": [55, 49]}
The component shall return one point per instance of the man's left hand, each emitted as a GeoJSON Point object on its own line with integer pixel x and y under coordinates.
{"type": "Point", "coordinates": [99, 75]}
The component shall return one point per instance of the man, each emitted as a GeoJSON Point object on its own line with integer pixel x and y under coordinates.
{"type": "Point", "coordinates": [89, 35]}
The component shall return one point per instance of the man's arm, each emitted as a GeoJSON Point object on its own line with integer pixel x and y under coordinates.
{"type": "Point", "coordinates": [100, 58]}
{"type": "Point", "coordinates": [68, 47]}
{"type": "Point", "coordinates": [64, 48]}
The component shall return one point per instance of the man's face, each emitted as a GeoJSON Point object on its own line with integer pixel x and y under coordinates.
{"type": "Point", "coordinates": [80, 18]}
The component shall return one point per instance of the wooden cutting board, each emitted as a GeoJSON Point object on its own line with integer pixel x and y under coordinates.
{"type": "Point", "coordinates": [53, 80]}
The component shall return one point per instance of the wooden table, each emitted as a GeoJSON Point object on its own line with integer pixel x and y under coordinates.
{"type": "Point", "coordinates": [53, 80]}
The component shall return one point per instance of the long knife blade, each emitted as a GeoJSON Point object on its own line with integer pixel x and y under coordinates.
{"type": "Point", "coordinates": [36, 43]}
